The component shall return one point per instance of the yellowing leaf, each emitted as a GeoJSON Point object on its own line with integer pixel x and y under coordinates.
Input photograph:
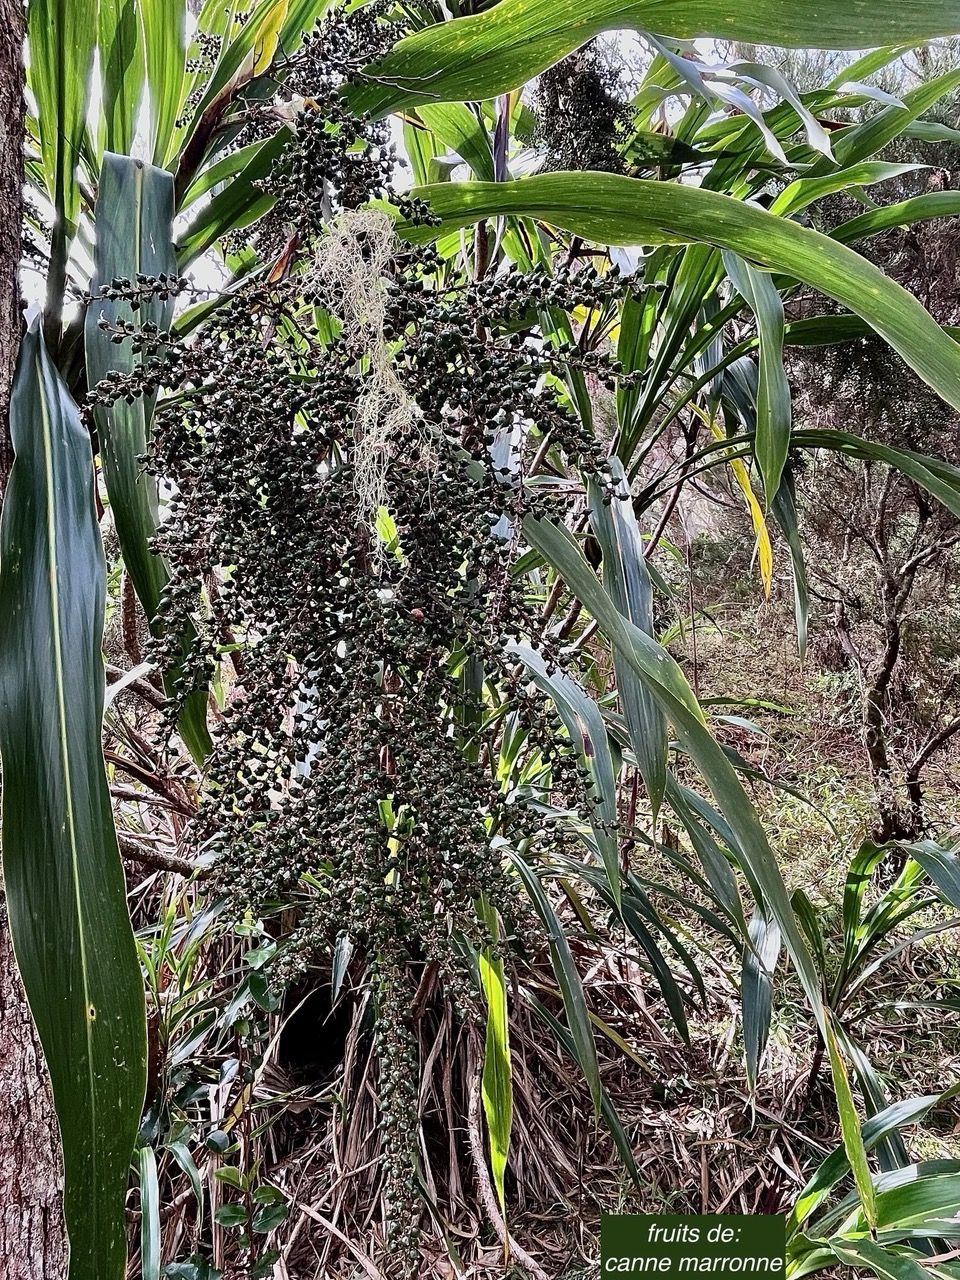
{"type": "Point", "coordinates": [742, 477]}
{"type": "Point", "coordinates": [268, 36]}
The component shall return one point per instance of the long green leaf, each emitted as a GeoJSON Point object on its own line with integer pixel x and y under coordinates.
{"type": "Point", "coordinates": [134, 214]}
{"type": "Point", "coordinates": [695, 814]}
{"type": "Point", "coordinates": [607, 1110]}
{"type": "Point", "coordinates": [942, 865]}
{"type": "Point", "coordinates": [866, 139]}
{"type": "Point", "coordinates": [772, 439]}
{"type": "Point", "coordinates": [668, 686]}
{"type": "Point", "coordinates": [756, 990]}
{"type": "Point", "coordinates": [884, 1264]}
{"type": "Point", "coordinates": [505, 46]}
{"type": "Point", "coordinates": [164, 40]}
{"type": "Point", "coordinates": [804, 191]}
{"type": "Point", "coordinates": [497, 1084]}
{"type": "Point", "coordinates": [611, 209]}
{"type": "Point", "coordinates": [784, 511]}
{"type": "Point", "coordinates": [121, 73]}
{"type": "Point", "coordinates": [238, 204]}
{"type": "Point", "coordinates": [149, 1215]}
{"type": "Point", "coordinates": [565, 970]}
{"type": "Point", "coordinates": [935, 204]}
{"type": "Point", "coordinates": [836, 1166]}
{"type": "Point", "coordinates": [64, 882]}
{"type": "Point", "coordinates": [922, 1203]}
{"type": "Point", "coordinates": [626, 577]}
{"type": "Point", "coordinates": [62, 36]}
{"type": "Point", "coordinates": [134, 217]}
{"type": "Point", "coordinates": [588, 733]}
{"type": "Point", "coordinates": [941, 479]}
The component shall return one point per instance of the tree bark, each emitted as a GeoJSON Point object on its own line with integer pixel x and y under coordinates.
{"type": "Point", "coordinates": [11, 207]}
{"type": "Point", "coordinates": [32, 1244]}
{"type": "Point", "coordinates": [32, 1241]}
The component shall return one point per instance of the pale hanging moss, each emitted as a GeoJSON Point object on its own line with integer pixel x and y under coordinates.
{"type": "Point", "coordinates": [352, 260]}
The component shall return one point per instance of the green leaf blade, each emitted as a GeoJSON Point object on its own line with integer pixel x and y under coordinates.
{"type": "Point", "coordinates": [626, 577]}
{"type": "Point", "coordinates": [498, 50]}
{"type": "Point", "coordinates": [774, 412]}
{"type": "Point", "coordinates": [64, 881]}
{"type": "Point", "coordinates": [610, 209]}
{"type": "Point", "coordinates": [497, 1078]}
{"type": "Point", "coordinates": [134, 217]}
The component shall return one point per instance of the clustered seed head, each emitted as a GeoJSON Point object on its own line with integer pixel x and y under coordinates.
{"type": "Point", "coordinates": [354, 775]}
{"type": "Point", "coordinates": [581, 117]}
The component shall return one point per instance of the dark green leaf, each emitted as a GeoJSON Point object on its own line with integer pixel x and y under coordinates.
{"type": "Point", "coordinates": [230, 1215]}
{"type": "Point", "coordinates": [625, 576]}
{"type": "Point", "coordinates": [588, 733]}
{"type": "Point", "coordinates": [62, 873]}
{"type": "Point", "coordinates": [760, 958]}
{"type": "Point", "coordinates": [134, 217]}
{"type": "Point", "coordinates": [578, 1020]}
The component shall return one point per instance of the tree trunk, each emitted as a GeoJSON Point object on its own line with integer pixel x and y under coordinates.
{"type": "Point", "coordinates": [11, 177]}
{"type": "Point", "coordinates": [32, 1244]}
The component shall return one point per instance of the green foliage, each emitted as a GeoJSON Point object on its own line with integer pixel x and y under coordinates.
{"type": "Point", "coordinates": [134, 224]}
{"type": "Point", "coordinates": [376, 457]}
{"type": "Point", "coordinates": [499, 50]}
{"type": "Point", "coordinates": [61, 866]}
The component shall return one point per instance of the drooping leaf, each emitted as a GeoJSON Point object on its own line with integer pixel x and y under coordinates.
{"type": "Point", "coordinates": [804, 191]}
{"type": "Point", "coordinates": [741, 473]}
{"type": "Point", "coordinates": [607, 1109]}
{"type": "Point", "coordinates": [611, 209]}
{"type": "Point", "coordinates": [756, 989]}
{"type": "Point", "coordinates": [864, 140]}
{"type": "Point", "coordinates": [784, 511]}
{"type": "Point", "coordinates": [668, 686]}
{"type": "Point", "coordinates": [584, 724]}
{"type": "Point", "coordinates": [836, 1166]}
{"type": "Point", "coordinates": [941, 479]}
{"type": "Point", "coordinates": [942, 865]}
{"type": "Point", "coordinates": [500, 49]}
{"type": "Point", "coordinates": [935, 204]}
{"type": "Point", "coordinates": [772, 439]}
{"type": "Point", "coordinates": [697, 818]}
{"type": "Point", "coordinates": [625, 576]}
{"type": "Point", "coordinates": [568, 980]}
{"type": "Point", "coordinates": [64, 883]}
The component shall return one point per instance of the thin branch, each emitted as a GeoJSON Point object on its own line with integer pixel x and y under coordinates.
{"type": "Point", "coordinates": [160, 861]}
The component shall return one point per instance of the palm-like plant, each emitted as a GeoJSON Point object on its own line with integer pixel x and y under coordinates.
{"type": "Point", "coordinates": [711, 254]}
